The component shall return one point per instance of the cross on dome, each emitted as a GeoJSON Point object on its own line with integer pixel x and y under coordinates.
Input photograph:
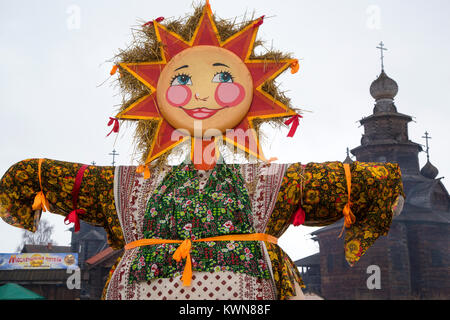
{"type": "Point", "coordinates": [427, 137]}
{"type": "Point", "coordinates": [382, 48]}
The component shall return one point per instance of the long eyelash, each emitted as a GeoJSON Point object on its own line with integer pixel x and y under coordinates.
{"type": "Point", "coordinates": [180, 74]}
{"type": "Point", "coordinates": [225, 71]}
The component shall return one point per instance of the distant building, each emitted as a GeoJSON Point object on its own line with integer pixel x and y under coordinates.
{"type": "Point", "coordinates": [98, 268]}
{"type": "Point", "coordinates": [49, 248]}
{"type": "Point", "coordinates": [95, 259]}
{"type": "Point", "coordinates": [51, 284]}
{"type": "Point", "coordinates": [414, 256]}
{"type": "Point", "coordinates": [88, 242]}
{"type": "Point", "coordinates": [309, 268]}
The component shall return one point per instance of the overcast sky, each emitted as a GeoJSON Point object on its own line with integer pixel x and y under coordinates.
{"type": "Point", "coordinates": [54, 55]}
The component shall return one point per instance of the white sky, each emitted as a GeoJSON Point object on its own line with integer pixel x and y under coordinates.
{"type": "Point", "coordinates": [51, 105]}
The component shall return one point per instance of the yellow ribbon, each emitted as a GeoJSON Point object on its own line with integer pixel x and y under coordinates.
{"type": "Point", "coordinates": [184, 250]}
{"type": "Point", "coordinates": [144, 169]}
{"type": "Point", "coordinates": [40, 202]}
{"type": "Point", "coordinates": [349, 217]}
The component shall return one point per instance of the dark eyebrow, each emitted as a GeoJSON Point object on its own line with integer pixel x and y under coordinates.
{"type": "Point", "coordinates": [185, 66]}
{"type": "Point", "coordinates": [218, 64]}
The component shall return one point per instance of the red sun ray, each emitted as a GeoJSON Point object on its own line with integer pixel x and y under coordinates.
{"type": "Point", "coordinates": [242, 42]}
{"type": "Point", "coordinates": [244, 137]}
{"type": "Point", "coordinates": [172, 44]}
{"type": "Point", "coordinates": [145, 108]}
{"type": "Point", "coordinates": [166, 139]}
{"type": "Point", "coordinates": [206, 33]}
{"type": "Point", "coordinates": [147, 73]}
{"type": "Point", "coordinates": [262, 70]}
{"type": "Point", "coordinates": [263, 106]}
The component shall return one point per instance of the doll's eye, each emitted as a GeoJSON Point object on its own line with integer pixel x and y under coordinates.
{"type": "Point", "coordinates": [181, 80]}
{"type": "Point", "coordinates": [223, 76]}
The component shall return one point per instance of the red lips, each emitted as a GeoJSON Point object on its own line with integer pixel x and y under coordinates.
{"type": "Point", "coordinates": [201, 113]}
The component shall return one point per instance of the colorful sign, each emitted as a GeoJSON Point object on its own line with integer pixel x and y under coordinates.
{"type": "Point", "coordinates": [14, 261]}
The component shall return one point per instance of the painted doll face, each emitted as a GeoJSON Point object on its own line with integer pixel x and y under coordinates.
{"type": "Point", "coordinates": [205, 87]}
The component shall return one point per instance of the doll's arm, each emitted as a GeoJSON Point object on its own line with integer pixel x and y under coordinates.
{"type": "Point", "coordinates": [20, 185]}
{"type": "Point", "coordinates": [320, 189]}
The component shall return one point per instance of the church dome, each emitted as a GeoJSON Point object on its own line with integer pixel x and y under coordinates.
{"type": "Point", "coordinates": [429, 170]}
{"type": "Point", "coordinates": [383, 87]}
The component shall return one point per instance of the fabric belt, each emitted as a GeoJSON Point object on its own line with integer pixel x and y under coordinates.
{"type": "Point", "coordinates": [184, 250]}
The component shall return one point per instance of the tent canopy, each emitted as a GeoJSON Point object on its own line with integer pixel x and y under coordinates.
{"type": "Point", "coordinates": [13, 291]}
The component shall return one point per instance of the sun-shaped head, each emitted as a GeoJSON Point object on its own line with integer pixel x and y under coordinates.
{"type": "Point", "coordinates": [205, 90]}
{"type": "Point", "coordinates": [204, 82]}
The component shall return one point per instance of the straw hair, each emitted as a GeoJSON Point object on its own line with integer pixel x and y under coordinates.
{"type": "Point", "coordinates": [145, 48]}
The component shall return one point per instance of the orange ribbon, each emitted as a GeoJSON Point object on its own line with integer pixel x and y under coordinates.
{"type": "Point", "coordinates": [40, 202]}
{"type": "Point", "coordinates": [184, 250]}
{"type": "Point", "coordinates": [114, 70]}
{"type": "Point", "coordinates": [348, 214]}
{"type": "Point", "coordinates": [144, 169]}
{"type": "Point", "coordinates": [295, 67]}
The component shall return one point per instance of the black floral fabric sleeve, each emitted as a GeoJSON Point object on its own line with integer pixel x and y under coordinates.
{"type": "Point", "coordinates": [321, 190]}
{"type": "Point", "coordinates": [20, 184]}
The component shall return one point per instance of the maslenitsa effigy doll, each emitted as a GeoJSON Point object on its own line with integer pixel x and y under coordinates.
{"type": "Point", "coordinates": [206, 228]}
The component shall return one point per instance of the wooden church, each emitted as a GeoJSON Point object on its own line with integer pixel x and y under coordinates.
{"type": "Point", "coordinates": [413, 259]}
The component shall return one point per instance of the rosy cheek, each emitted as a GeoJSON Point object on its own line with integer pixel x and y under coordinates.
{"type": "Point", "coordinates": [229, 94]}
{"type": "Point", "coordinates": [178, 96]}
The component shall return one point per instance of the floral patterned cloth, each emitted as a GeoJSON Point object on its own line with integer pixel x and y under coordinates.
{"type": "Point", "coordinates": [222, 207]}
{"type": "Point", "coordinates": [319, 188]}
{"type": "Point", "coordinates": [20, 184]}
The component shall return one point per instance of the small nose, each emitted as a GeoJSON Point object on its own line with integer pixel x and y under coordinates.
{"type": "Point", "coordinates": [197, 97]}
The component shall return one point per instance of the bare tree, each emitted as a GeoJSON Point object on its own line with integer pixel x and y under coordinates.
{"type": "Point", "coordinates": [42, 236]}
